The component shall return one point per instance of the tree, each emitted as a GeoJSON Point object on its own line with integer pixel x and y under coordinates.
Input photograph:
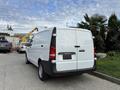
{"type": "Point", "coordinates": [86, 24]}
{"type": "Point", "coordinates": [93, 23]}
{"type": "Point", "coordinates": [113, 22]}
{"type": "Point", "coordinates": [113, 41]}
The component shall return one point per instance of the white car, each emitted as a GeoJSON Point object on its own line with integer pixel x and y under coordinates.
{"type": "Point", "coordinates": [58, 51]}
{"type": "Point", "coordinates": [22, 47]}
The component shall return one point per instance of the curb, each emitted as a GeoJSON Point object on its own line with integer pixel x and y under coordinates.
{"type": "Point", "coordinates": [106, 77]}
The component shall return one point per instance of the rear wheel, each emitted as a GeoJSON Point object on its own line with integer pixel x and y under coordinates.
{"type": "Point", "coordinates": [26, 59]}
{"type": "Point", "coordinates": [41, 73]}
{"type": "Point", "coordinates": [9, 51]}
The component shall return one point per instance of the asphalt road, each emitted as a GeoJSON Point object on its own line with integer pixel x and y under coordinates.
{"type": "Point", "coordinates": [16, 75]}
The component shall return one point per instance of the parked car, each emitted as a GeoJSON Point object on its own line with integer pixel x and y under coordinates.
{"type": "Point", "coordinates": [59, 51]}
{"type": "Point", "coordinates": [5, 46]}
{"type": "Point", "coordinates": [22, 47]}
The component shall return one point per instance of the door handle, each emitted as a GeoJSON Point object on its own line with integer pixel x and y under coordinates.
{"type": "Point", "coordinates": [76, 46]}
{"type": "Point", "coordinates": [82, 50]}
{"type": "Point", "coordinates": [62, 53]}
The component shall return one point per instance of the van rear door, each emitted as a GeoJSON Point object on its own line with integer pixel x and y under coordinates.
{"type": "Point", "coordinates": [66, 56]}
{"type": "Point", "coordinates": [85, 50]}
{"type": "Point", "coordinates": [74, 50]}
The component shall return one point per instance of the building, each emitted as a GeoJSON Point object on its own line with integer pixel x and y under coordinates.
{"type": "Point", "coordinates": [10, 36]}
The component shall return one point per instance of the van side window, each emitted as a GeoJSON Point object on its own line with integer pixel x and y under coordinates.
{"type": "Point", "coordinates": [43, 37]}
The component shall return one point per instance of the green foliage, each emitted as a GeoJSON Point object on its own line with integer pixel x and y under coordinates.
{"type": "Point", "coordinates": [113, 37]}
{"type": "Point", "coordinates": [102, 32]}
{"type": "Point", "coordinates": [113, 22]}
{"type": "Point", "coordinates": [99, 44]}
{"type": "Point", "coordinates": [93, 23]}
{"type": "Point", "coordinates": [109, 64]}
{"type": "Point", "coordinates": [111, 53]}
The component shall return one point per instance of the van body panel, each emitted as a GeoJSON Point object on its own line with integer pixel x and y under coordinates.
{"type": "Point", "coordinates": [40, 47]}
{"type": "Point", "coordinates": [74, 50]}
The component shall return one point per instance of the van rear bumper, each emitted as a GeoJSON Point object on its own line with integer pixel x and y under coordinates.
{"type": "Point", "coordinates": [50, 69]}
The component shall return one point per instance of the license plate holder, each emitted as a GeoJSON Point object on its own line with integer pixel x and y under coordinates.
{"type": "Point", "coordinates": [67, 56]}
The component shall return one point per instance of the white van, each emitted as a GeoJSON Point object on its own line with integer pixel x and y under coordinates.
{"type": "Point", "coordinates": [57, 51]}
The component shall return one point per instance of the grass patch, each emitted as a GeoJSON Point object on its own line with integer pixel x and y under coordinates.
{"type": "Point", "coordinates": [110, 65]}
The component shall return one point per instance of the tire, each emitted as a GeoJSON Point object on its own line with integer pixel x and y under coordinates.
{"type": "Point", "coordinates": [26, 59]}
{"type": "Point", "coordinates": [9, 51]}
{"type": "Point", "coordinates": [41, 73]}
{"type": "Point", "coordinates": [17, 50]}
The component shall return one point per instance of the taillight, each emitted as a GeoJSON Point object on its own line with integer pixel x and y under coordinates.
{"type": "Point", "coordinates": [52, 53]}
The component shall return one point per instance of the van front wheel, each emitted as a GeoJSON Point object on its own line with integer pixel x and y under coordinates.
{"type": "Point", "coordinates": [41, 73]}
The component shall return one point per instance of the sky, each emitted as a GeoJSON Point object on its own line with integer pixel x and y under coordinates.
{"type": "Point", "coordinates": [24, 15]}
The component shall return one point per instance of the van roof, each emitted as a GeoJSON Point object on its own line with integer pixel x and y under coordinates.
{"type": "Point", "coordinates": [66, 28]}
{"type": "Point", "coordinates": [69, 29]}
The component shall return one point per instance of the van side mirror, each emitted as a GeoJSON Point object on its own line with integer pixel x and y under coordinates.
{"type": "Point", "coordinates": [31, 41]}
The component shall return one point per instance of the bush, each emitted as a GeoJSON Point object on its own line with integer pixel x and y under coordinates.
{"type": "Point", "coordinates": [113, 40]}
{"type": "Point", "coordinates": [99, 44]}
{"type": "Point", "coordinates": [111, 53]}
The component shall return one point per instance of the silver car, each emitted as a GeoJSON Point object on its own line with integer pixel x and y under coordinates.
{"type": "Point", "coordinates": [5, 46]}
